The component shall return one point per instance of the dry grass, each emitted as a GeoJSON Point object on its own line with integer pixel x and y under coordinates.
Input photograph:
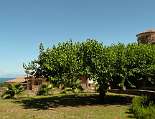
{"type": "Point", "coordinates": [66, 107]}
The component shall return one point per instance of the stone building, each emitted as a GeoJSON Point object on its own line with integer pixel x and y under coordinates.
{"type": "Point", "coordinates": [146, 37]}
{"type": "Point", "coordinates": [29, 83]}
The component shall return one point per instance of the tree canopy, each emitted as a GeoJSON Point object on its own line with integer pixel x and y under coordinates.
{"type": "Point", "coordinates": [117, 65]}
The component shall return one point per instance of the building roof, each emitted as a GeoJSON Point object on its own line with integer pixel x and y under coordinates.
{"type": "Point", "coordinates": [147, 31]}
{"type": "Point", "coordinates": [17, 80]}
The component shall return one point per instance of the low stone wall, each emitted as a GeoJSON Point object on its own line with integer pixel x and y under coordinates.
{"type": "Point", "coordinates": [133, 91]}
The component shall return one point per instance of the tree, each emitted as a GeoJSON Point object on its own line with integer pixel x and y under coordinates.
{"type": "Point", "coordinates": [117, 65]}
{"type": "Point", "coordinates": [92, 55]}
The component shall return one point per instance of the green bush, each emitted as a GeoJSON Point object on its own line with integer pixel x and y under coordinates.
{"type": "Point", "coordinates": [44, 89]}
{"type": "Point", "coordinates": [72, 90]}
{"type": "Point", "coordinates": [143, 108]}
{"type": "Point", "coordinates": [12, 91]}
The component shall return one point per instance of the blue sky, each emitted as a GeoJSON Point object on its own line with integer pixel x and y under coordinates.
{"type": "Point", "coordinates": [26, 23]}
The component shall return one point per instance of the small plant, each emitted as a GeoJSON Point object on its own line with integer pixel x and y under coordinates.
{"type": "Point", "coordinates": [12, 91]}
{"type": "Point", "coordinates": [44, 89]}
{"type": "Point", "coordinates": [143, 108]}
{"type": "Point", "coordinates": [69, 90]}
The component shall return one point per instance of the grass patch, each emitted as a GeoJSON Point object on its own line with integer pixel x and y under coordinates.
{"type": "Point", "coordinates": [67, 107]}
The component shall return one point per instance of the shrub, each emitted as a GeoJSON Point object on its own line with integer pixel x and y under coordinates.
{"type": "Point", "coordinates": [143, 108]}
{"type": "Point", "coordinates": [72, 90]}
{"type": "Point", "coordinates": [44, 89]}
{"type": "Point", "coordinates": [12, 91]}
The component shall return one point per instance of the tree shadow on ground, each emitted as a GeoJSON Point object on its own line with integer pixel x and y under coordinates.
{"type": "Point", "coordinates": [74, 101]}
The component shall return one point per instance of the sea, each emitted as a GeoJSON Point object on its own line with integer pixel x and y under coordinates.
{"type": "Point", "coordinates": [2, 80]}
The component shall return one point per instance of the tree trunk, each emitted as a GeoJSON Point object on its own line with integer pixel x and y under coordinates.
{"type": "Point", "coordinates": [102, 94]}
{"type": "Point", "coordinates": [102, 91]}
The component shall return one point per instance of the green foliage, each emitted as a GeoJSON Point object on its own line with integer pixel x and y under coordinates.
{"type": "Point", "coordinates": [140, 59]}
{"type": "Point", "coordinates": [93, 62]}
{"type": "Point", "coordinates": [72, 91]}
{"type": "Point", "coordinates": [44, 89]}
{"type": "Point", "coordinates": [133, 65]}
{"type": "Point", "coordinates": [143, 108]}
{"type": "Point", "coordinates": [118, 66]}
{"type": "Point", "coordinates": [12, 91]}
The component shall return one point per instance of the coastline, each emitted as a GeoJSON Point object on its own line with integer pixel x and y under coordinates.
{"type": "Point", "coordinates": [2, 80]}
